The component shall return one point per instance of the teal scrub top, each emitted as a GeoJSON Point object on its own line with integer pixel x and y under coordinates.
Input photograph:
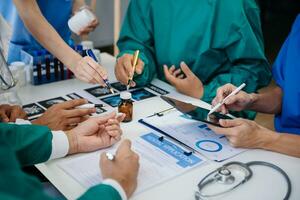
{"type": "Point", "coordinates": [220, 40]}
{"type": "Point", "coordinates": [57, 12]}
{"type": "Point", "coordinates": [286, 72]}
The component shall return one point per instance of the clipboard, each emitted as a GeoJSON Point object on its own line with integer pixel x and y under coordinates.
{"type": "Point", "coordinates": [190, 134]}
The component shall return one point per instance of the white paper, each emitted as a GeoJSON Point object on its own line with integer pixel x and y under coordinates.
{"type": "Point", "coordinates": [156, 166]}
{"type": "Point", "coordinates": [195, 134]}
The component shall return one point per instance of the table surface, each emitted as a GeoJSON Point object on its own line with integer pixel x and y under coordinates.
{"type": "Point", "coordinates": [265, 184]}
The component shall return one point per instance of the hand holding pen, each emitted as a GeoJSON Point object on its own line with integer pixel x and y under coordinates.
{"type": "Point", "coordinates": [230, 97]}
{"type": "Point", "coordinates": [125, 69]}
{"type": "Point", "coordinates": [104, 78]}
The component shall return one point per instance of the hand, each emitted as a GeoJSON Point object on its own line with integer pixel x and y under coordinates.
{"type": "Point", "coordinates": [64, 116]}
{"type": "Point", "coordinates": [124, 168]}
{"type": "Point", "coordinates": [124, 69]}
{"type": "Point", "coordinates": [89, 28]}
{"type": "Point", "coordinates": [184, 80]}
{"type": "Point", "coordinates": [11, 113]}
{"type": "Point", "coordinates": [87, 70]}
{"type": "Point", "coordinates": [238, 102]}
{"type": "Point", "coordinates": [243, 133]}
{"type": "Point", "coordinates": [95, 133]}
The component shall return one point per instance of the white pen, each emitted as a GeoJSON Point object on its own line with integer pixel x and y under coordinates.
{"type": "Point", "coordinates": [234, 92]}
{"type": "Point", "coordinates": [89, 105]}
{"type": "Point", "coordinates": [110, 156]}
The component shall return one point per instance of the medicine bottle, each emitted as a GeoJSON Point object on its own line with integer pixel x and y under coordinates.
{"type": "Point", "coordinates": [126, 106]}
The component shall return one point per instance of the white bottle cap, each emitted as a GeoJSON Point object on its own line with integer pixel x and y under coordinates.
{"type": "Point", "coordinates": [125, 95]}
{"type": "Point", "coordinates": [80, 20]}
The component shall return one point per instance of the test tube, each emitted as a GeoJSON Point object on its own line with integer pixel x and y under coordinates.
{"type": "Point", "coordinates": [56, 71]}
{"type": "Point", "coordinates": [39, 66]}
{"type": "Point", "coordinates": [47, 63]}
{"type": "Point", "coordinates": [62, 70]}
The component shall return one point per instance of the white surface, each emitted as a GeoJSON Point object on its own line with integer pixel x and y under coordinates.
{"type": "Point", "coordinates": [265, 184]}
{"type": "Point", "coordinates": [156, 166]}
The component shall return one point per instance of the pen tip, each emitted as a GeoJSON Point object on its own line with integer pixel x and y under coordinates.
{"type": "Point", "coordinates": [128, 86]}
{"type": "Point", "coordinates": [111, 90]}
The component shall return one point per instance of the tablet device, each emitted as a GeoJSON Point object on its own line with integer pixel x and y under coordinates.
{"type": "Point", "coordinates": [196, 112]}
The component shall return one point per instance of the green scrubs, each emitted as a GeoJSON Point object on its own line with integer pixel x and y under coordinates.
{"type": "Point", "coordinates": [22, 145]}
{"type": "Point", "coordinates": [220, 40]}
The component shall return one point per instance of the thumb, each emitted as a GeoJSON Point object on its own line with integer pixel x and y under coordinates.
{"type": "Point", "coordinates": [124, 147]}
{"type": "Point", "coordinates": [103, 119]}
{"type": "Point", "coordinates": [3, 117]}
{"type": "Point", "coordinates": [228, 123]}
{"type": "Point", "coordinates": [186, 70]}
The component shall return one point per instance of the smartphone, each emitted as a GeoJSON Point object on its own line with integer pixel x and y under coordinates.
{"type": "Point", "coordinates": [195, 112]}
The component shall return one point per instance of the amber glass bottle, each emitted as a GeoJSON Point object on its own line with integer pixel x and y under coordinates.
{"type": "Point", "coordinates": [126, 106]}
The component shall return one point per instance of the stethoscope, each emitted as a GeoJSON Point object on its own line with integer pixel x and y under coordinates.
{"type": "Point", "coordinates": [230, 176]}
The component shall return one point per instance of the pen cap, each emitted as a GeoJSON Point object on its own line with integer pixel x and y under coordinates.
{"type": "Point", "coordinates": [125, 95]}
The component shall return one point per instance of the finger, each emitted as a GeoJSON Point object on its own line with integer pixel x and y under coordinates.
{"type": "Point", "coordinates": [75, 120]}
{"type": "Point", "coordinates": [100, 71]}
{"type": "Point", "coordinates": [224, 91]}
{"type": "Point", "coordinates": [79, 112]}
{"type": "Point", "coordinates": [112, 127]}
{"type": "Point", "coordinates": [172, 69]}
{"type": "Point", "coordinates": [220, 130]}
{"type": "Point", "coordinates": [139, 67]}
{"type": "Point", "coordinates": [229, 123]}
{"type": "Point", "coordinates": [233, 99]}
{"type": "Point", "coordinates": [4, 117]}
{"type": "Point", "coordinates": [132, 84]}
{"type": "Point", "coordinates": [169, 77]}
{"type": "Point", "coordinates": [181, 76]}
{"type": "Point", "coordinates": [15, 113]}
{"type": "Point", "coordinates": [120, 73]}
{"type": "Point", "coordinates": [224, 110]}
{"type": "Point", "coordinates": [88, 73]}
{"type": "Point", "coordinates": [176, 72]}
{"type": "Point", "coordinates": [186, 70]}
{"type": "Point", "coordinates": [128, 67]}
{"type": "Point", "coordinates": [101, 120]}
{"type": "Point", "coordinates": [121, 117]}
{"type": "Point", "coordinates": [124, 147]}
{"type": "Point", "coordinates": [72, 103]}
{"type": "Point", "coordinates": [114, 133]}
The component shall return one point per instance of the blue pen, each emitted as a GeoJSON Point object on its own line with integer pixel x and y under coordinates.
{"type": "Point", "coordinates": [90, 53]}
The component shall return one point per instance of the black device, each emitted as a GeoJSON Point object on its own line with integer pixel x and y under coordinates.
{"type": "Point", "coordinates": [195, 112]}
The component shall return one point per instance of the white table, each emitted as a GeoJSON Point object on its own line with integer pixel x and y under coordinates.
{"type": "Point", "coordinates": [265, 184]}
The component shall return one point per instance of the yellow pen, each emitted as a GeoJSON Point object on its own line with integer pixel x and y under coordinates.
{"type": "Point", "coordinates": [135, 60]}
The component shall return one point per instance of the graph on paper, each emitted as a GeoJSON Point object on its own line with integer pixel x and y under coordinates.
{"type": "Point", "coordinates": [195, 134]}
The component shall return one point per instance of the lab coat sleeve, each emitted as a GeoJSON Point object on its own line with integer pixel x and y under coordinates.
{"type": "Point", "coordinates": [31, 143]}
{"type": "Point", "coordinates": [136, 34]}
{"type": "Point", "coordinates": [245, 52]}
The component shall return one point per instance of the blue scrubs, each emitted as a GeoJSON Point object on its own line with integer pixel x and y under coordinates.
{"type": "Point", "coordinates": [57, 12]}
{"type": "Point", "coordinates": [286, 72]}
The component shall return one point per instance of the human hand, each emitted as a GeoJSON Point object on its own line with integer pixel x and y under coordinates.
{"type": "Point", "coordinates": [124, 69]}
{"type": "Point", "coordinates": [89, 28]}
{"type": "Point", "coordinates": [10, 113]}
{"type": "Point", "coordinates": [64, 116]}
{"type": "Point", "coordinates": [243, 133]}
{"type": "Point", "coordinates": [95, 133]}
{"type": "Point", "coordinates": [88, 70]}
{"type": "Point", "coordinates": [124, 168]}
{"type": "Point", "coordinates": [184, 80]}
{"type": "Point", "coordinates": [238, 102]}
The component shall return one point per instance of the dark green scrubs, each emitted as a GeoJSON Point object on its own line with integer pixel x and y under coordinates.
{"type": "Point", "coordinates": [22, 145]}
{"type": "Point", "coordinates": [220, 40]}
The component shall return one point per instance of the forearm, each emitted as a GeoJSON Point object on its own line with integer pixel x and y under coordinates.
{"type": "Point", "coordinates": [281, 142]}
{"type": "Point", "coordinates": [267, 102]}
{"type": "Point", "coordinates": [45, 33]}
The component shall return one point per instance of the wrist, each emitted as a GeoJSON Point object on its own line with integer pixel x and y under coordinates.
{"type": "Point", "coordinates": [253, 99]}
{"type": "Point", "coordinates": [73, 142]}
{"type": "Point", "coordinates": [72, 60]}
{"type": "Point", "coordinates": [38, 121]}
{"type": "Point", "coordinates": [268, 137]}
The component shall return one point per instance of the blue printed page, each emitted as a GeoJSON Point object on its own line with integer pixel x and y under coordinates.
{"type": "Point", "coordinates": [194, 134]}
{"type": "Point", "coordinates": [159, 161]}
